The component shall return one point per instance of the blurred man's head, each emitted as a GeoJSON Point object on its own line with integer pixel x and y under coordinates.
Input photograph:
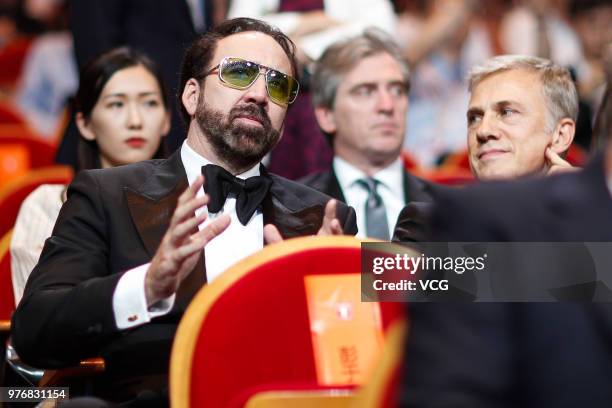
{"type": "Point", "coordinates": [360, 94]}
{"type": "Point", "coordinates": [592, 20]}
{"type": "Point", "coordinates": [519, 107]}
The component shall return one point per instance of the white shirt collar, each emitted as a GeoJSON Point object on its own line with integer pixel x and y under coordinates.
{"type": "Point", "coordinates": [222, 252]}
{"type": "Point", "coordinates": [391, 177]}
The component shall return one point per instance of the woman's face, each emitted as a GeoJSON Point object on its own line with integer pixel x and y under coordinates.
{"type": "Point", "coordinates": [129, 119]}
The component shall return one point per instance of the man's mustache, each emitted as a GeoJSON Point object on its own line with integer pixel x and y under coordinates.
{"type": "Point", "coordinates": [253, 111]}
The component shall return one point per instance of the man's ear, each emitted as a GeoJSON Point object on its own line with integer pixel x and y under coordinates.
{"type": "Point", "coordinates": [326, 119]}
{"type": "Point", "coordinates": [563, 135]}
{"type": "Point", "coordinates": [190, 96]}
{"type": "Point", "coordinates": [84, 127]}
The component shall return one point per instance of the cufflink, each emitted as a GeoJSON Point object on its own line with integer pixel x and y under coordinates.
{"type": "Point", "coordinates": [132, 318]}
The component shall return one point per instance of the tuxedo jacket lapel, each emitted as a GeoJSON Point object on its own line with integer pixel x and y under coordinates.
{"type": "Point", "coordinates": [151, 207]}
{"type": "Point", "coordinates": [291, 222]}
{"type": "Point", "coordinates": [288, 212]}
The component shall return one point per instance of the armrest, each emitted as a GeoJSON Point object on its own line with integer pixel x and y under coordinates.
{"type": "Point", "coordinates": [5, 326]}
{"type": "Point", "coordinates": [330, 398]}
{"type": "Point", "coordinates": [86, 368]}
{"type": "Point", "coordinates": [49, 378]}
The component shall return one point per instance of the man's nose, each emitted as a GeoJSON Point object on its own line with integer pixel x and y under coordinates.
{"type": "Point", "coordinates": [487, 128]}
{"type": "Point", "coordinates": [385, 102]}
{"type": "Point", "coordinates": [257, 92]}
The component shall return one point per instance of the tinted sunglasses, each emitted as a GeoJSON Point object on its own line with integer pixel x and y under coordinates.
{"type": "Point", "coordinates": [239, 73]}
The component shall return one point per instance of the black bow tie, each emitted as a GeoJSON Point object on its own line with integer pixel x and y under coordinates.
{"type": "Point", "coordinates": [218, 183]}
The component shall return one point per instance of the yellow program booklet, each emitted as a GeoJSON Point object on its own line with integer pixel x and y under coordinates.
{"type": "Point", "coordinates": [347, 334]}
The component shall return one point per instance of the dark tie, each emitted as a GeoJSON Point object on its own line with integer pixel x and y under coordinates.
{"type": "Point", "coordinates": [250, 193]}
{"type": "Point", "coordinates": [375, 212]}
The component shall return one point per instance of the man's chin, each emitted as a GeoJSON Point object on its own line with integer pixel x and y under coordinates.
{"type": "Point", "coordinates": [508, 172]}
{"type": "Point", "coordinates": [247, 152]}
{"type": "Point", "coordinates": [492, 172]}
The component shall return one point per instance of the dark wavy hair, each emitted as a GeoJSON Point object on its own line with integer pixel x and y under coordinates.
{"type": "Point", "coordinates": [198, 56]}
{"type": "Point", "coordinates": [93, 77]}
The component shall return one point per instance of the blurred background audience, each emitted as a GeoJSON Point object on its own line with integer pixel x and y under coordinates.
{"type": "Point", "coordinates": [50, 117]}
{"type": "Point", "coordinates": [49, 77]}
{"type": "Point", "coordinates": [442, 39]}
{"type": "Point", "coordinates": [43, 42]}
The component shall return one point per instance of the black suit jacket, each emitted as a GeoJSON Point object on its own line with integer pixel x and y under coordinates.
{"type": "Point", "coordinates": [415, 189]}
{"type": "Point", "coordinates": [113, 221]}
{"type": "Point", "coordinates": [515, 354]}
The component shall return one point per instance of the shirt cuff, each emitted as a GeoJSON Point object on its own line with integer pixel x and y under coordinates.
{"type": "Point", "coordinates": [130, 303]}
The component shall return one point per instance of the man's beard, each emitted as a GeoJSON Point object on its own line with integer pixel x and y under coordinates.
{"type": "Point", "coordinates": [238, 145]}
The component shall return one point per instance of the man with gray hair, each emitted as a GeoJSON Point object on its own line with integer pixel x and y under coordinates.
{"type": "Point", "coordinates": [521, 354]}
{"type": "Point", "coordinates": [360, 95]}
{"type": "Point", "coordinates": [521, 121]}
{"type": "Point", "coordinates": [521, 117]}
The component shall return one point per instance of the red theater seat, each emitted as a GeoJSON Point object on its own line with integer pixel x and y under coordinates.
{"type": "Point", "coordinates": [7, 299]}
{"type": "Point", "coordinates": [410, 162]}
{"type": "Point", "coordinates": [12, 57]}
{"type": "Point", "coordinates": [457, 160]}
{"type": "Point", "coordinates": [247, 334]}
{"type": "Point", "coordinates": [15, 191]}
{"type": "Point", "coordinates": [10, 116]}
{"type": "Point", "coordinates": [451, 177]}
{"type": "Point", "coordinates": [40, 152]}
{"type": "Point", "coordinates": [383, 390]}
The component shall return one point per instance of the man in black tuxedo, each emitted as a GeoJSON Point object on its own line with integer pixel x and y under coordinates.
{"type": "Point", "coordinates": [360, 94]}
{"type": "Point", "coordinates": [132, 245]}
{"type": "Point", "coordinates": [517, 354]}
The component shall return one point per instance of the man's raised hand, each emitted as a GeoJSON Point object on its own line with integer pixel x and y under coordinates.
{"type": "Point", "coordinates": [556, 164]}
{"type": "Point", "coordinates": [180, 247]}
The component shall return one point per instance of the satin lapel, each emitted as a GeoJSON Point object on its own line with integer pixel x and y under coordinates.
{"type": "Point", "coordinates": [288, 213]}
{"type": "Point", "coordinates": [152, 204]}
{"type": "Point", "coordinates": [151, 207]}
{"type": "Point", "coordinates": [292, 223]}
{"type": "Point", "coordinates": [152, 217]}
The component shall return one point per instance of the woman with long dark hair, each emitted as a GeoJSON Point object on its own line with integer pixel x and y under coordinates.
{"type": "Point", "coordinates": [122, 115]}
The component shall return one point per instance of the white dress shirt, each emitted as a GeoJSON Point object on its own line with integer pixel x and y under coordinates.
{"type": "Point", "coordinates": [390, 189]}
{"type": "Point", "coordinates": [129, 300]}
